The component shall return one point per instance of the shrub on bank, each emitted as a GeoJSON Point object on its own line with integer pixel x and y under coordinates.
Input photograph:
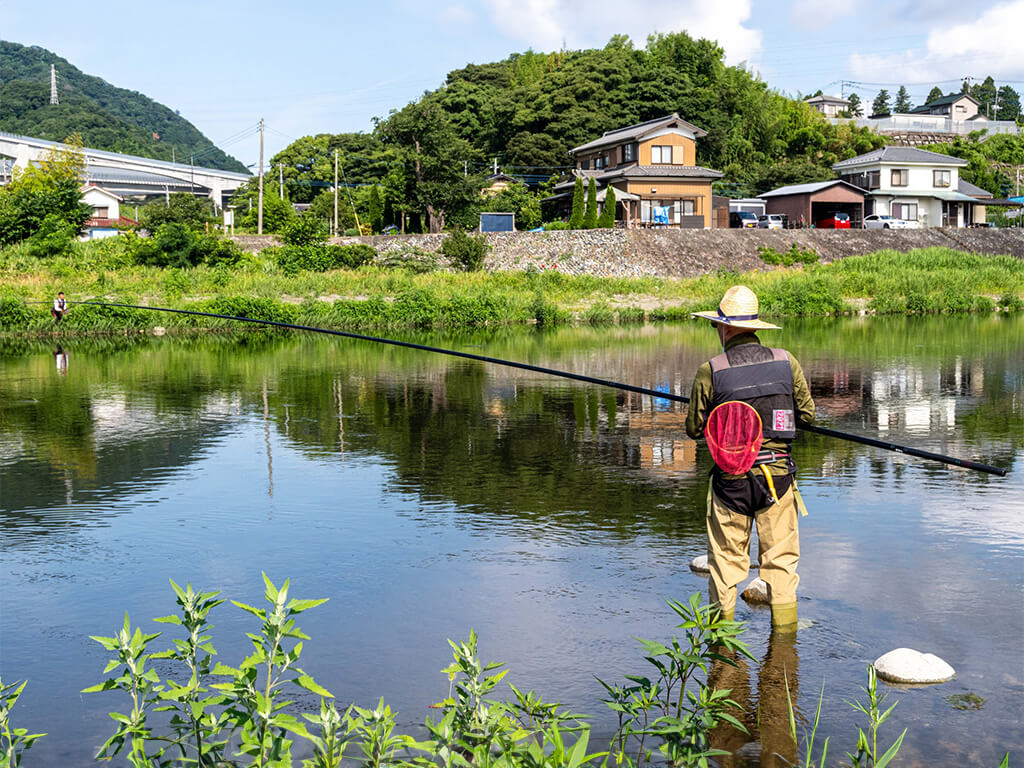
{"type": "Point", "coordinates": [465, 251]}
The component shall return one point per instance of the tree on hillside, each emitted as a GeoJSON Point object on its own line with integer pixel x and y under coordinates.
{"type": "Point", "coordinates": [308, 163]}
{"type": "Point", "coordinates": [933, 94]}
{"type": "Point", "coordinates": [856, 109]}
{"type": "Point", "coordinates": [1009, 104]}
{"type": "Point", "coordinates": [880, 106]}
{"type": "Point", "coordinates": [576, 217]}
{"type": "Point", "coordinates": [902, 103]}
{"type": "Point", "coordinates": [590, 213]}
{"type": "Point", "coordinates": [607, 218]}
{"type": "Point", "coordinates": [985, 93]}
{"type": "Point", "coordinates": [276, 212]}
{"type": "Point", "coordinates": [434, 154]}
{"type": "Point", "coordinates": [46, 195]}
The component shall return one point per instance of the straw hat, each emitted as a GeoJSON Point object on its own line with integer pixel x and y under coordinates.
{"type": "Point", "coordinates": [738, 309]}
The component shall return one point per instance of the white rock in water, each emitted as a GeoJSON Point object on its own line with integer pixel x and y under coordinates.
{"type": "Point", "coordinates": [756, 592]}
{"type": "Point", "coordinates": [700, 564]}
{"type": "Point", "coordinates": [905, 665]}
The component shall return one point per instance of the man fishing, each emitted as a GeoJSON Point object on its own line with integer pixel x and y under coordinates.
{"type": "Point", "coordinates": [746, 402]}
{"type": "Point", "coordinates": [60, 308]}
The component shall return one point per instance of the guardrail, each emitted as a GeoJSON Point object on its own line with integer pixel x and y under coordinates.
{"type": "Point", "coordinates": [929, 124]}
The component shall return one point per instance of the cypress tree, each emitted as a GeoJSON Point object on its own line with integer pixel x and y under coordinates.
{"type": "Point", "coordinates": [576, 217]}
{"type": "Point", "coordinates": [607, 218]}
{"type": "Point", "coordinates": [376, 210]}
{"type": "Point", "coordinates": [590, 214]}
{"type": "Point", "coordinates": [902, 103]}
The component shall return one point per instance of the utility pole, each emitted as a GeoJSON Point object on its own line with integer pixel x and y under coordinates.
{"type": "Point", "coordinates": [259, 213]}
{"type": "Point", "coordinates": [53, 85]}
{"type": "Point", "coordinates": [335, 230]}
{"type": "Point", "coordinates": [465, 167]}
{"type": "Point", "coordinates": [280, 180]}
{"type": "Point", "coordinates": [495, 166]}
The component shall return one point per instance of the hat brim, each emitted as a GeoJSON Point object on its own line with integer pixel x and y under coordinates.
{"type": "Point", "coordinates": [751, 324]}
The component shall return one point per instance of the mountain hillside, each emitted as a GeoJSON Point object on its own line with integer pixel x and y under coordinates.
{"type": "Point", "coordinates": [107, 117]}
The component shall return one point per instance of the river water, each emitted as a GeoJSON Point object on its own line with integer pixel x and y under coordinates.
{"type": "Point", "coordinates": [426, 496]}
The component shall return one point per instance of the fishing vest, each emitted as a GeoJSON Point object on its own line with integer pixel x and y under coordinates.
{"type": "Point", "coordinates": [761, 377]}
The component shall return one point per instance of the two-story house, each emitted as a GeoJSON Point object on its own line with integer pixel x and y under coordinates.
{"type": "Point", "coordinates": [958, 106]}
{"type": "Point", "coordinates": [915, 185]}
{"type": "Point", "coordinates": [829, 106]}
{"type": "Point", "coordinates": [653, 168]}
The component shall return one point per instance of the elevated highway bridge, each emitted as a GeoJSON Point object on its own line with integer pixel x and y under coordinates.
{"type": "Point", "coordinates": [127, 175]}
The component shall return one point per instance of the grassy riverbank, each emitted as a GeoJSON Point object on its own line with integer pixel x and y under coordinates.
{"type": "Point", "coordinates": [886, 282]}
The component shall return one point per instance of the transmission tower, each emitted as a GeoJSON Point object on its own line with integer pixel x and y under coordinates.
{"type": "Point", "coordinates": [53, 85]}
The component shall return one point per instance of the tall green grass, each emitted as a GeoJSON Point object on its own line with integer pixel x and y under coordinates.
{"type": "Point", "coordinates": [887, 282]}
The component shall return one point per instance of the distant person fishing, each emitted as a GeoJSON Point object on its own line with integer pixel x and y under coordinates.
{"type": "Point", "coordinates": [60, 308]}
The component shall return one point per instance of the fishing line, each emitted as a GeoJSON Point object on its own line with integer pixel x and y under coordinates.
{"type": "Point", "coordinates": [888, 446]}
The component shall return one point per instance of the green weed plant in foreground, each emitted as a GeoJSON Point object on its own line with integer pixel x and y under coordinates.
{"type": "Point", "coordinates": [207, 713]}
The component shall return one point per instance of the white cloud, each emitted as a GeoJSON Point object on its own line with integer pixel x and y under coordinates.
{"type": "Point", "coordinates": [547, 24]}
{"type": "Point", "coordinates": [818, 14]}
{"type": "Point", "coordinates": [987, 45]}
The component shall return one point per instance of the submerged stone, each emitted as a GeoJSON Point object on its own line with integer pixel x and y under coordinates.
{"type": "Point", "coordinates": [756, 592]}
{"type": "Point", "coordinates": [700, 564]}
{"type": "Point", "coordinates": [905, 665]}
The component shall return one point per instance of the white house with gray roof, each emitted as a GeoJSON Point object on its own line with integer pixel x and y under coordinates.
{"type": "Point", "coordinates": [915, 185]}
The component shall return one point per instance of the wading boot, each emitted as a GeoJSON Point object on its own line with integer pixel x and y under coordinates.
{"type": "Point", "coordinates": [784, 617]}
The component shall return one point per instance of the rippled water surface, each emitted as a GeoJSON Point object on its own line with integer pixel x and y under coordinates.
{"type": "Point", "coordinates": [426, 496]}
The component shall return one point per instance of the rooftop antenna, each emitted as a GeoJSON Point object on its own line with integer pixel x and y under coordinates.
{"type": "Point", "coordinates": [53, 85]}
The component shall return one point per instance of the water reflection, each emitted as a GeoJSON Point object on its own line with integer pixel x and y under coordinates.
{"type": "Point", "coordinates": [420, 491]}
{"type": "Point", "coordinates": [768, 740]}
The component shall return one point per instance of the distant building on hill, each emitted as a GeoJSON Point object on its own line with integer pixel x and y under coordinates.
{"type": "Point", "coordinates": [653, 169]}
{"type": "Point", "coordinates": [829, 106]}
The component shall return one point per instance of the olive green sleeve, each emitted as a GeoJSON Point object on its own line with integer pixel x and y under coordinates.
{"type": "Point", "coordinates": [700, 402]}
{"type": "Point", "coordinates": [801, 393]}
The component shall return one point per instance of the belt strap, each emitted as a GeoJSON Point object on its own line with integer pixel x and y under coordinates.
{"type": "Point", "coordinates": [767, 457]}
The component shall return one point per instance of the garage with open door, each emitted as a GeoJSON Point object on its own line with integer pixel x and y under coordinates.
{"type": "Point", "coordinates": [815, 204]}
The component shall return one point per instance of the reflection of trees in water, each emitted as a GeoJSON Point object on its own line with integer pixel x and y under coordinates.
{"type": "Point", "coordinates": [492, 439]}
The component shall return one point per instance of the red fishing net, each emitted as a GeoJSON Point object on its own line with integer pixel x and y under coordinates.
{"type": "Point", "coordinates": [734, 436]}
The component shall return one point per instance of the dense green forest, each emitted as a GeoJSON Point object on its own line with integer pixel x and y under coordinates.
{"type": "Point", "coordinates": [106, 117]}
{"type": "Point", "coordinates": [528, 110]}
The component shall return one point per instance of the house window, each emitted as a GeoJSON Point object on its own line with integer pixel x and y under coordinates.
{"type": "Point", "coordinates": [661, 155]}
{"type": "Point", "coordinates": [940, 178]}
{"type": "Point", "coordinates": [689, 207]}
{"type": "Point", "coordinates": [961, 108]}
{"type": "Point", "coordinates": [905, 211]}
{"type": "Point", "coordinates": [583, 165]}
{"type": "Point", "coordinates": [598, 163]}
{"type": "Point", "coordinates": [628, 153]}
{"type": "Point", "coordinates": [100, 213]}
{"type": "Point", "coordinates": [900, 177]}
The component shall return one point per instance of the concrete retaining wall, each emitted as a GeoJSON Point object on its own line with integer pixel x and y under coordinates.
{"type": "Point", "coordinates": [684, 253]}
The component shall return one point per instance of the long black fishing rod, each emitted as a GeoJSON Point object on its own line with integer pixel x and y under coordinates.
{"type": "Point", "coordinates": [905, 449]}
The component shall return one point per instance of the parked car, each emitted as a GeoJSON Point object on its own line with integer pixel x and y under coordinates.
{"type": "Point", "coordinates": [742, 220]}
{"type": "Point", "coordinates": [883, 221]}
{"type": "Point", "coordinates": [771, 221]}
{"type": "Point", "coordinates": [834, 221]}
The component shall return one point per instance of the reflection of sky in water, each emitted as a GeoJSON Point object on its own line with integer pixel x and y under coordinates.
{"type": "Point", "coordinates": [895, 552]}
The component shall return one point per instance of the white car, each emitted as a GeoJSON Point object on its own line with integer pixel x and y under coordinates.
{"type": "Point", "coordinates": [884, 221]}
{"type": "Point", "coordinates": [771, 221]}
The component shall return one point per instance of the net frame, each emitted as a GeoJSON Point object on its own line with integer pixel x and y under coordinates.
{"type": "Point", "coordinates": [734, 433]}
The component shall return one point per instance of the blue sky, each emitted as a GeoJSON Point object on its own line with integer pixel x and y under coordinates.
{"type": "Point", "coordinates": [318, 66]}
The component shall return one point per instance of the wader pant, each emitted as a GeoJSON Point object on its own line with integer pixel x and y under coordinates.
{"type": "Point", "coordinates": [778, 547]}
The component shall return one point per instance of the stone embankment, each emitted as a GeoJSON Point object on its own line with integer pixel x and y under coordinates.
{"type": "Point", "coordinates": [684, 253]}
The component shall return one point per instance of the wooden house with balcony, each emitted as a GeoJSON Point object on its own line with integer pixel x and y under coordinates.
{"type": "Point", "coordinates": [653, 168]}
